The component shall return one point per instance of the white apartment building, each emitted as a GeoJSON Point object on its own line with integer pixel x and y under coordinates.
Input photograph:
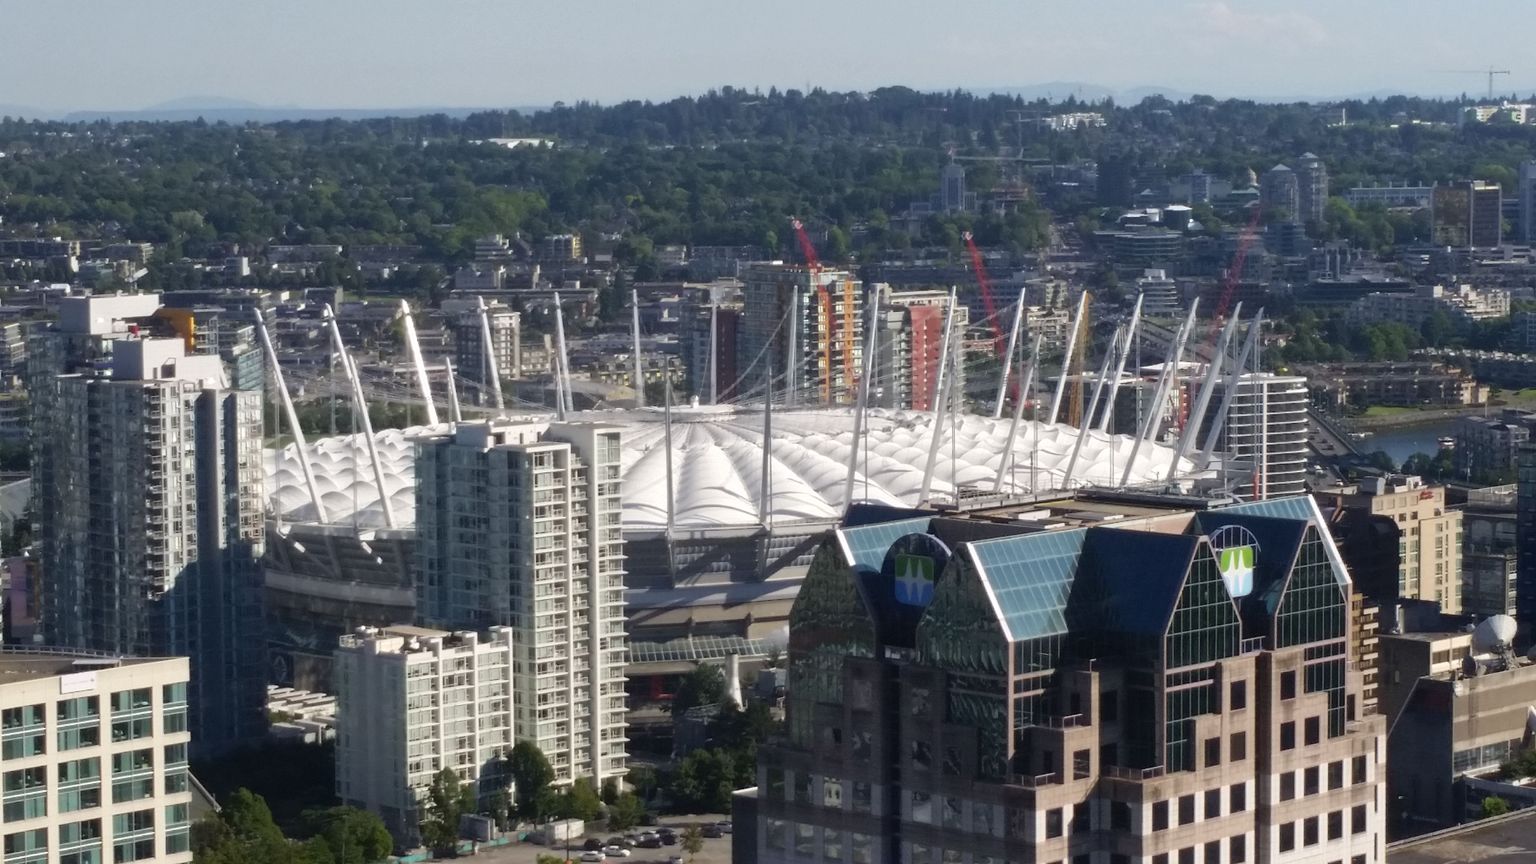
{"type": "Point", "coordinates": [93, 759]}
{"type": "Point", "coordinates": [907, 346]}
{"type": "Point", "coordinates": [1461, 303]}
{"type": "Point", "coordinates": [1265, 431]}
{"type": "Point", "coordinates": [518, 525]}
{"type": "Point", "coordinates": [456, 694]}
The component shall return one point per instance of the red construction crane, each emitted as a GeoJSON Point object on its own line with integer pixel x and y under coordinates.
{"type": "Point", "coordinates": [1234, 274]}
{"type": "Point", "coordinates": [998, 336]}
{"type": "Point", "coordinates": [813, 266]}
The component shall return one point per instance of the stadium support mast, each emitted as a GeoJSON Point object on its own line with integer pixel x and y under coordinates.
{"type": "Point", "coordinates": [562, 364]}
{"type": "Point", "coordinates": [1191, 429]}
{"type": "Point", "coordinates": [765, 482]}
{"type": "Point", "coordinates": [1013, 344]}
{"type": "Point", "coordinates": [455, 411]}
{"type": "Point", "coordinates": [1026, 386]}
{"type": "Point", "coordinates": [1233, 379]}
{"type": "Point", "coordinates": [666, 407]}
{"type": "Point", "coordinates": [1164, 382]}
{"type": "Point", "coordinates": [940, 398]}
{"type": "Point", "coordinates": [413, 345]}
{"type": "Point", "coordinates": [360, 407]}
{"type": "Point", "coordinates": [1066, 359]}
{"type": "Point", "coordinates": [714, 347]}
{"type": "Point", "coordinates": [488, 357]}
{"type": "Point", "coordinates": [792, 362]}
{"type": "Point", "coordinates": [1125, 351]}
{"type": "Point", "coordinates": [1085, 426]}
{"type": "Point", "coordinates": [863, 399]}
{"type": "Point", "coordinates": [634, 327]}
{"type": "Point", "coordinates": [293, 418]}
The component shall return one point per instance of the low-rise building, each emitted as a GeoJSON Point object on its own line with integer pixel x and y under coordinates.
{"type": "Point", "coordinates": [1487, 446]}
{"type": "Point", "coordinates": [1488, 551]}
{"type": "Point", "coordinates": [1412, 384]}
{"type": "Point", "coordinates": [413, 701]}
{"type": "Point", "coordinates": [1462, 304]}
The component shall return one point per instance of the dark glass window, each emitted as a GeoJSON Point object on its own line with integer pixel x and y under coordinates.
{"type": "Point", "coordinates": [1213, 852]}
{"type": "Point", "coordinates": [1238, 696]}
{"type": "Point", "coordinates": [1336, 775]}
{"type": "Point", "coordinates": [1237, 849]}
{"type": "Point", "coordinates": [1357, 819]}
{"type": "Point", "coordinates": [1237, 800]}
{"type": "Point", "coordinates": [1053, 822]}
{"type": "Point", "coordinates": [1081, 817]}
{"type": "Point", "coordinates": [1186, 809]}
{"type": "Point", "coordinates": [1212, 803]}
{"type": "Point", "coordinates": [1187, 856]}
{"type": "Point", "coordinates": [1336, 825]}
{"type": "Point", "coordinates": [1238, 747]}
{"type": "Point", "coordinates": [1309, 831]}
{"type": "Point", "coordinates": [1287, 836]}
{"type": "Point", "coordinates": [1311, 785]}
{"type": "Point", "coordinates": [1313, 726]}
{"type": "Point", "coordinates": [1160, 816]}
{"type": "Point", "coordinates": [1212, 752]}
{"type": "Point", "coordinates": [1288, 736]}
{"type": "Point", "coordinates": [1287, 786]}
{"type": "Point", "coordinates": [1288, 685]}
{"type": "Point", "coordinates": [1358, 770]}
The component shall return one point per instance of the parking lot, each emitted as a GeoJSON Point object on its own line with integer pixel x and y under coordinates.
{"type": "Point", "coordinates": [715, 851]}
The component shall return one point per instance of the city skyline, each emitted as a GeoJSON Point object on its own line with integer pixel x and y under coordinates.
{"type": "Point", "coordinates": [397, 56]}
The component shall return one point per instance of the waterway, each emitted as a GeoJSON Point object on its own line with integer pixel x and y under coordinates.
{"type": "Point", "coordinates": [1400, 442]}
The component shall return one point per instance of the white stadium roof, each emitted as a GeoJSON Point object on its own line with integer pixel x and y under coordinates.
{"type": "Point", "coordinates": [718, 459]}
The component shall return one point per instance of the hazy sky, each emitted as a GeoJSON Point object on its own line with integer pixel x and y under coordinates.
{"type": "Point", "coordinates": [96, 54]}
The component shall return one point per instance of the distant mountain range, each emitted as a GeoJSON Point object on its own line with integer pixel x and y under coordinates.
{"type": "Point", "coordinates": [216, 109]}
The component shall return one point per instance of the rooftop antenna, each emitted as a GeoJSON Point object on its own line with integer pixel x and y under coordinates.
{"type": "Point", "coordinates": [292, 416]}
{"type": "Point", "coordinates": [639, 373]}
{"type": "Point", "coordinates": [1027, 382]}
{"type": "Point", "coordinates": [1013, 342]}
{"type": "Point", "coordinates": [360, 409]}
{"type": "Point", "coordinates": [940, 398]}
{"type": "Point", "coordinates": [488, 357]}
{"type": "Point", "coordinates": [863, 402]}
{"type": "Point", "coordinates": [1125, 351]}
{"type": "Point", "coordinates": [455, 411]}
{"type": "Point", "coordinates": [562, 363]}
{"type": "Point", "coordinates": [1066, 359]}
{"type": "Point", "coordinates": [414, 347]}
{"type": "Point", "coordinates": [1084, 428]}
{"type": "Point", "coordinates": [1164, 382]}
{"type": "Point", "coordinates": [1203, 401]}
{"type": "Point", "coordinates": [1229, 390]}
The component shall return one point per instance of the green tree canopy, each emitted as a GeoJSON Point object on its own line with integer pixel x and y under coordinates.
{"type": "Point", "coordinates": [531, 775]}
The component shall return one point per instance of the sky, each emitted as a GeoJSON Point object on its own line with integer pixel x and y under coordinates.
{"type": "Point", "coordinates": [65, 55]}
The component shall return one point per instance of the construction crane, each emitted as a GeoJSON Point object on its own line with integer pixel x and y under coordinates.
{"type": "Point", "coordinates": [1490, 72]}
{"type": "Point", "coordinates": [828, 319]}
{"type": "Point", "coordinates": [985, 284]}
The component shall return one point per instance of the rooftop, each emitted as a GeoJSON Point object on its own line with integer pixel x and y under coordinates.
{"type": "Point", "coordinates": [30, 665]}
{"type": "Point", "coordinates": [1502, 840]}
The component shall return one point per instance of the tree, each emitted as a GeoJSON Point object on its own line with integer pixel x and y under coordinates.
{"type": "Point", "coordinates": [705, 685]}
{"type": "Point", "coordinates": [611, 790]}
{"type": "Point", "coordinates": [445, 805]}
{"type": "Point", "coordinates": [643, 779]}
{"type": "Point", "coordinates": [242, 833]}
{"type": "Point", "coordinates": [352, 836]}
{"type": "Point", "coordinates": [580, 801]}
{"type": "Point", "coordinates": [692, 841]}
{"type": "Point", "coordinates": [625, 812]}
{"type": "Point", "coordinates": [1493, 805]}
{"type": "Point", "coordinates": [704, 780]}
{"type": "Point", "coordinates": [531, 775]}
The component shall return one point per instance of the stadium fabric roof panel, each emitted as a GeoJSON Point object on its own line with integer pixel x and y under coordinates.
{"type": "Point", "coordinates": [718, 459]}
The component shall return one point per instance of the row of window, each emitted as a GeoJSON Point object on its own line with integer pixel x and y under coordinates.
{"type": "Point", "coordinates": [1310, 826]}
{"type": "Point", "coordinates": [1312, 778]}
{"type": "Point", "coordinates": [77, 721]}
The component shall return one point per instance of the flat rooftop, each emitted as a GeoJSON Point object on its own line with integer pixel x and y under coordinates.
{"type": "Point", "coordinates": [18, 666]}
{"type": "Point", "coordinates": [1505, 840]}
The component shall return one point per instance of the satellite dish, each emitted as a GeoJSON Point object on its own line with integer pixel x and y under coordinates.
{"type": "Point", "coordinates": [1494, 635]}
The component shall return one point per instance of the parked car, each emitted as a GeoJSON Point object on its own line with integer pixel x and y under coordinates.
{"type": "Point", "coordinates": [724, 825]}
{"type": "Point", "coordinates": [591, 855]}
{"type": "Point", "coordinates": [669, 839]}
{"type": "Point", "coordinates": [631, 839]}
{"type": "Point", "coordinates": [711, 830]}
{"type": "Point", "coordinates": [675, 859]}
{"type": "Point", "coordinates": [592, 844]}
{"type": "Point", "coordinates": [649, 841]}
{"type": "Point", "coordinates": [615, 852]}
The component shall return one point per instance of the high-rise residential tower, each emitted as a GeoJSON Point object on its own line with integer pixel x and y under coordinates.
{"type": "Point", "coordinates": [149, 500]}
{"type": "Point", "coordinates": [803, 329]}
{"type": "Point", "coordinates": [1311, 188]}
{"type": "Point", "coordinates": [1527, 197]}
{"type": "Point", "coordinates": [518, 525]}
{"type": "Point", "coordinates": [907, 346]}
{"type": "Point", "coordinates": [1279, 193]}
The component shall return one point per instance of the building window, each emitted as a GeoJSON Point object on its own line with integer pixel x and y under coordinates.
{"type": "Point", "coordinates": [1082, 762]}
{"type": "Point", "coordinates": [1237, 698]}
{"type": "Point", "coordinates": [950, 812]}
{"type": "Point", "coordinates": [922, 755]}
{"type": "Point", "coordinates": [1358, 770]}
{"type": "Point", "coordinates": [1213, 803]}
{"type": "Point", "coordinates": [79, 722]}
{"type": "Point", "coordinates": [133, 776]}
{"type": "Point", "coordinates": [26, 794]}
{"type": "Point", "coordinates": [1309, 831]}
{"type": "Point", "coordinates": [1082, 818]}
{"type": "Point", "coordinates": [1212, 752]}
{"type": "Point", "coordinates": [1336, 775]}
{"type": "Point", "coordinates": [805, 840]}
{"type": "Point", "coordinates": [832, 793]}
{"type": "Point", "coordinates": [1237, 849]}
{"type": "Point", "coordinates": [1187, 855]}
{"type": "Point", "coordinates": [773, 833]}
{"type": "Point", "coordinates": [133, 836]}
{"type": "Point", "coordinates": [1160, 858]}
{"type": "Point", "coordinates": [79, 785]}
{"type": "Point", "coordinates": [863, 797]}
{"type": "Point", "coordinates": [1160, 816]}
{"type": "Point", "coordinates": [1313, 727]}
{"type": "Point", "coordinates": [1288, 736]}
{"type": "Point", "coordinates": [802, 787]}
{"type": "Point", "coordinates": [1053, 823]}
{"type": "Point", "coordinates": [1288, 685]}
{"type": "Point", "coordinates": [952, 762]}
{"type": "Point", "coordinates": [1287, 836]}
{"type": "Point", "coordinates": [1336, 825]}
{"type": "Point", "coordinates": [922, 808]}
{"type": "Point", "coordinates": [1119, 816]}
{"type": "Point", "coordinates": [1357, 819]}
{"type": "Point", "coordinates": [1213, 852]}
{"type": "Point", "coordinates": [831, 845]}
{"type": "Point", "coordinates": [22, 732]}
{"type": "Point", "coordinates": [1287, 786]}
{"type": "Point", "coordinates": [1237, 799]}
{"type": "Point", "coordinates": [1238, 747]}
{"type": "Point", "coordinates": [863, 846]}
{"type": "Point", "coordinates": [27, 847]}
{"type": "Point", "coordinates": [1186, 809]}
{"type": "Point", "coordinates": [1311, 785]}
{"type": "Point", "coordinates": [80, 842]}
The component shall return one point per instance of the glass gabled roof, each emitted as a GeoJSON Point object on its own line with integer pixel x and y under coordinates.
{"type": "Point", "coordinates": [1031, 578]}
{"type": "Point", "coordinates": [866, 545]}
